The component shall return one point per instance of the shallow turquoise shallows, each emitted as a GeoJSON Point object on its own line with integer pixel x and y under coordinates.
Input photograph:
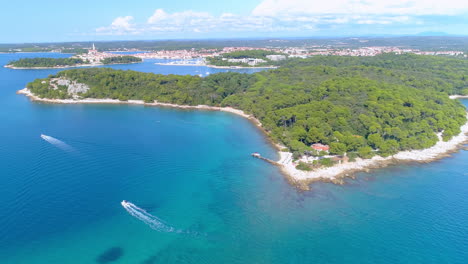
{"type": "Point", "coordinates": [206, 199]}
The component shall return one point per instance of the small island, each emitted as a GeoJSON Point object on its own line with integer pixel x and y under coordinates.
{"type": "Point", "coordinates": [328, 116]}
{"type": "Point", "coordinates": [45, 63]}
{"type": "Point", "coordinates": [126, 59]}
{"type": "Point", "coordinates": [82, 58]}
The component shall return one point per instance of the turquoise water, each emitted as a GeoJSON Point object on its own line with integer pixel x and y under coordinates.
{"type": "Point", "coordinates": [192, 169]}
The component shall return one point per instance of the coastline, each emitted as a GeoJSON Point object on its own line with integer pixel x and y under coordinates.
{"type": "Point", "coordinates": [55, 67]}
{"type": "Point", "coordinates": [33, 97]}
{"type": "Point", "coordinates": [338, 172]}
{"type": "Point", "coordinates": [217, 67]}
{"type": "Point", "coordinates": [175, 64]}
{"type": "Point", "coordinates": [299, 178]}
{"type": "Point", "coordinates": [240, 67]}
{"type": "Point", "coordinates": [63, 67]}
{"type": "Point", "coordinates": [458, 96]}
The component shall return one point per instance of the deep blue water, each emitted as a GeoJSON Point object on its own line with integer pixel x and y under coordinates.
{"type": "Point", "coordinates": [193, 170]}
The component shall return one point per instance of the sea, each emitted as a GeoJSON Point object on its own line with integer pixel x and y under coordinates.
{"type": "Point", "coordinates": [195, 195]}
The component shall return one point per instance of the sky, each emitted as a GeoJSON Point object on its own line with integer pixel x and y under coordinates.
{"type": "Point", "coordinates": [93, 20]}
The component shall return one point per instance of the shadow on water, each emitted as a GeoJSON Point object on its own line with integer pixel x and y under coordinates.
{"type": "Point", "coordinates": [150, 260]}
{"type": "Point", "coordinates": [110, 255]}
{"type": "Point", "coordinates": [178, 252]}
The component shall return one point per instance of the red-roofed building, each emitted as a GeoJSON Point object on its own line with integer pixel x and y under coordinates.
{"type": "Point", "coordinates": [320, 147]}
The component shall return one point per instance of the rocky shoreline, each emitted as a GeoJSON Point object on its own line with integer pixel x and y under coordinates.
{"type": "Point", "coordinates": [457, 96]}
{"type": "Point", "coordinates": [337, 172]}
{"type": "Point", "coordinates": [302, 179]}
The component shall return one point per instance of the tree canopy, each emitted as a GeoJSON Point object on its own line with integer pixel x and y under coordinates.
{"type": "Point", "coordinates": [381, 104]}
{"type": "Point", "coordinates": [45, 62]}
{"type": "Point", "coordinates": [121, 60]}
{"type": "Point", "coordinates": [60, 62]}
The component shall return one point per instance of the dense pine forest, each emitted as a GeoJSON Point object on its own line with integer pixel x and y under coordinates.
{"type": "Point", "coordinates": [61, 62]}
{"type": "Point", "coordinates": [121, 60]}
{"type": "Point", "coordinates": [45, 62]}
{"type": "Point", "coordinates": [359, 105]}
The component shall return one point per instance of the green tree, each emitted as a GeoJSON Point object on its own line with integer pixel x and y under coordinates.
{"type": "Point", "coordinates": [337, 148]}
{"type": "Point", "coordinates": [365, 152]}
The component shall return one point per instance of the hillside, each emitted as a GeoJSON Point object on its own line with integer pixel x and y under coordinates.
{"type": "Point", "coordinates": [381, 104]}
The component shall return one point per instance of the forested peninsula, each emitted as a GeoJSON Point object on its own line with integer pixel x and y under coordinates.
{"type": "Point", "coordinates": [39, 63]}
{"type": "Point", "coordinates": [358, 106]}
{"type": "Point", "coordinates": [45, 62]}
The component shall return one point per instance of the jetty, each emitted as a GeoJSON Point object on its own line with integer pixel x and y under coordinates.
{"type": "Point", "coordinates": [258, 156]}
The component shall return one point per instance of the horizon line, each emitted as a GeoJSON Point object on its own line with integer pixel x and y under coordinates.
{"type": "Point", "coordinates": [244, 38]}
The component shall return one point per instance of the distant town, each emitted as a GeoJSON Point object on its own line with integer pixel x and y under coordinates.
{"type": "Point", "coordinates": [188, 55]}
{"type": "Point", "coordinates": [227, 54]}
{"type": "Point", "coordinates": [290, 52]}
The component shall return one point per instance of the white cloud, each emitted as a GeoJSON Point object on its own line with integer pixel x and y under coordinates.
{"type": "Point", "coordinates": [290, 16]}
{"type": "Point", "coordinates": [120, 26]}
{"type": "Point", "coordinates": [278, 8]}
{"type": "Point", "coordinates": [186, 17]}
{"type": "Point", "coordinates": [122, 23]}
{"type": "Point", "coordinates": [189, 21]}
{"type": "Point", "coordinates": [159, 15]}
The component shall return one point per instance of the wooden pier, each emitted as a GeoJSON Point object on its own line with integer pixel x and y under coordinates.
{"type": "Point", "coordinates": [258, 156]}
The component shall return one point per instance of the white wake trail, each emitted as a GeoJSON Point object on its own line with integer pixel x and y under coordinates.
{"type": "Point", "coordinates": [58, 143]}
{"type": "Point", "coordinates": [151, 220]}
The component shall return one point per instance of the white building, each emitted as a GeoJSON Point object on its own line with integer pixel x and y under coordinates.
{"type": "Point", "coordinates": [276, 57]}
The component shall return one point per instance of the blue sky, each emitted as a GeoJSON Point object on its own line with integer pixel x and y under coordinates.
{"type": "Point", "coordinates": [53, 20]}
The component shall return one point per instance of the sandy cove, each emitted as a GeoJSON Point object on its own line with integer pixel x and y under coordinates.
{"type": "Point", "coordinates": [300, 178]}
